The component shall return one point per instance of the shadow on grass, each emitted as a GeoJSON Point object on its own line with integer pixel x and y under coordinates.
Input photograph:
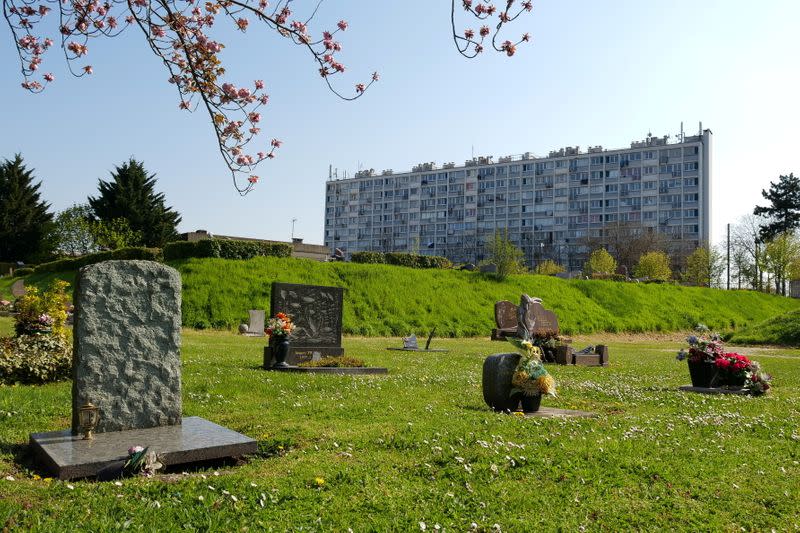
{"type": "Point", "coordinates": [22, 457]}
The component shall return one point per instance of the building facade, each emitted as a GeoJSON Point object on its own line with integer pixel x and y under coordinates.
{"type": "Point", "coordinates": [552, 207]}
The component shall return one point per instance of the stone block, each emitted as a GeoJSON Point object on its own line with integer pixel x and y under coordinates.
{"type": "Point", "coordinates": [127, 344]}
{"type": "Point", "coordinates": [498, 370]}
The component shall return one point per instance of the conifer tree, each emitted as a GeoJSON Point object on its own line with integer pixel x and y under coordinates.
{"type": "Point", "coordinates": [25, 220]}
{"type": "Point", "coordinates": [130, 194]}
{"type": "Point", "coordinates": [785, 209]}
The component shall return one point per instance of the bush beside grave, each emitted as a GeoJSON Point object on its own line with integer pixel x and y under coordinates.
{"type": "Point", "coordinates": [149, 254]}
{"type": "Point", "coordinates": [35, 359]}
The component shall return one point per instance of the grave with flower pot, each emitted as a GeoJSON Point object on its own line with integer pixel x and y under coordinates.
{"type": "Point", "coordinates": [516, 382]}
{"type": "Point", "coordinates": [127, 378]}
{"type": "Point", "coordinates": [316, 314]}
{"type": "Point", "coordinates": [306, 328]}
{"type": "Point", "coordinates": [713, 370]}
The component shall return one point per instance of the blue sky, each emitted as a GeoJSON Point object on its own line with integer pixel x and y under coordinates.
{"type": "Point", "coordinates": [595, 73]}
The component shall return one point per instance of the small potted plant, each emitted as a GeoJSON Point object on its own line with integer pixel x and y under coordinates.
{"type": "Point", "coordinates": [530, 379]}
{"type": "Point", "coordinates": [279, 328]}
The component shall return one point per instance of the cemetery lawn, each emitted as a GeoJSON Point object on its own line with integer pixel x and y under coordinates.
{"type": "Point", "coordinates": [383, 453]}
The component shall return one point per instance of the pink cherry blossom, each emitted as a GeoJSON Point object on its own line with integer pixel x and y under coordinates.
{"type": "Point", "coordinates": [178, 32]}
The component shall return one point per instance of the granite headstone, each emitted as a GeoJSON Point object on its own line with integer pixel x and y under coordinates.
{"type": "Point", "coordinates": [126, 361]}
{"type": "Point", "coordinates": [544, 322]}
{"type": "Point", "coordinates": [127, 338]}
{"type": "Point", "coordinates": [317, 315]}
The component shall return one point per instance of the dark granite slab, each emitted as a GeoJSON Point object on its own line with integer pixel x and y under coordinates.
{"type": "Point", "coordinates": [303, 354]}
{"type": "Point", "coordinates": [716, 390]}
{"type": "Point", "coordinates": [418, 350]}
{"type": "Point", "coordinates": [552, 412]}
{"type": "Point", "coordinates": [367, 370]}
{"type": "Point", "coordinates": [68, 456]}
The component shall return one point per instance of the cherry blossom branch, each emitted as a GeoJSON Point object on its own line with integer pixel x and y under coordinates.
{"type": "Point", "coordinates": [177, 32]}
{"type": "Point", "coordinates": [469, 44]}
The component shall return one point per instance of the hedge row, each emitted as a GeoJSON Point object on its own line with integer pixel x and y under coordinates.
{"type": "Point", "coordinates": [402, 259]}
{"type": "Point", "coordinates": [150, 254]}
{"type": "Point", "coordinates": [225, 249]}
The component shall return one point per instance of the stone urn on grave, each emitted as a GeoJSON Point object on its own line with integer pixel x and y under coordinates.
{"type": "Point", "coordinates": [498, 369]}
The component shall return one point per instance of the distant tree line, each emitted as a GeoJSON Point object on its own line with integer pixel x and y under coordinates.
{"type": "Point", "coordinates": [127, 211]}
{"type": "Point", "coordinates": [763, 250]}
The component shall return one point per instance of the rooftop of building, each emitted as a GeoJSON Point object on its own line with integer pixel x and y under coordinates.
{"type": "Point", "coordinates": [570, 151]}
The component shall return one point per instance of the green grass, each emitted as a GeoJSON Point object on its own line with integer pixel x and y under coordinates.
{"type": "Point", "coordinates": [382, 300]}
{"type": "Point", "coordinates": [419, 445]}
{"type": "Point", "coordinates": [783, 329]}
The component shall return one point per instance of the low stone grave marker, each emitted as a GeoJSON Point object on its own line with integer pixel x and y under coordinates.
{"type": "Point", "coordinates": [410, 344]}
{"type": "Point", "coordinates": [256, 326]}
{"type": "Point", "coordinates": [126, 362]}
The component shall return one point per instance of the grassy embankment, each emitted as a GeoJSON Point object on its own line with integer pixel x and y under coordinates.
{"type": "Point", "coordinates": [782, 329]}
{"type": "Point", "coordinates": [384, 453]}
{"type": "Point", "coordinates": [388, 300]}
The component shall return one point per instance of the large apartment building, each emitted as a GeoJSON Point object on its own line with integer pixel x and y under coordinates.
{"type": "Point", "coordinates": [552, 207]}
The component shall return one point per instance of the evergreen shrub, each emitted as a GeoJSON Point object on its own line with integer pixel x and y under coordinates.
{"type": "Point", "coordinates": [417, 261]}
{"type": "Point", "coordinates": [372, 258]}
{"type": "Point", "coordinates": [225, 249]}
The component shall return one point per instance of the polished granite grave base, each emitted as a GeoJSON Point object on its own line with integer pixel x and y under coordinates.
{"type": "Point", "coordinates": [68, 456]}
{"type": "Point", "coordinates": [716, 390]}
{"type": "Point", "coordinates": [418, 350]}
{"type": "Point", "coordinates": [360, 371]}
{"type": "Point", "coordinates": [552, 412]}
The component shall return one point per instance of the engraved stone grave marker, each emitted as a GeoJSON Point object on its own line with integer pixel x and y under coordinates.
{"type": "Point", "coordinates": [317, 314]}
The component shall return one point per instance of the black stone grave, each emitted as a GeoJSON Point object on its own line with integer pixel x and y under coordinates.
{"type": "Point", "coordinates": [316, 311]}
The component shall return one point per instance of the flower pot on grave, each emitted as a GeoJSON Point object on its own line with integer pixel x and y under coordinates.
{"type": "Point", "coordinates": [702, 373]}
{"type": "Point", "coordinates": [729, 379]}
{"type": "Point", "coordinates": [281, 352]}
{"type": "Point", "coordinates": [497, 372]}
{"type": "Point", "coordinates": [530, 404]}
